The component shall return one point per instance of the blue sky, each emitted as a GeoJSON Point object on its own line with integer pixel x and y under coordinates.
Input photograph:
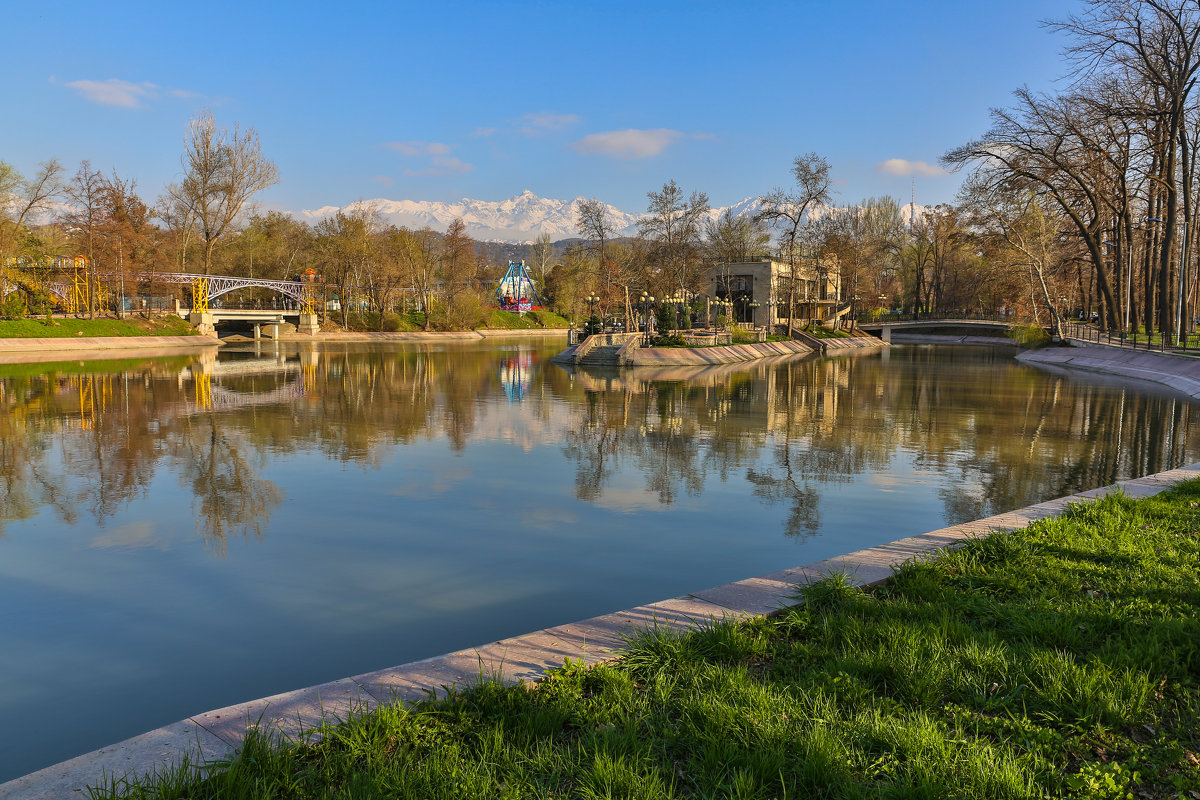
{"type": "Point", "coordinates": [439, 101]}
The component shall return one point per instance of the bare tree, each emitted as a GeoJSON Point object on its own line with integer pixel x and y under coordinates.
{"type": "Point", "coordinates": [24, 198]}
{"type": "Point", "coordinates": [542, 257]}
{"type": "Point", "coordinates": [672, 227]}
{"type": "Point", "coordinates": [221, 172]}
{"type": "Point", "coordinates": [788, 211]}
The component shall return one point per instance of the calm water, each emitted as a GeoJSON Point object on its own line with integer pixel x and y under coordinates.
{"type": "Point", "coordinates": [179, 536]}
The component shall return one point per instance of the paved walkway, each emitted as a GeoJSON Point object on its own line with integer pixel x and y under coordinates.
{"type": "Point", "coordinates": [216, 734]}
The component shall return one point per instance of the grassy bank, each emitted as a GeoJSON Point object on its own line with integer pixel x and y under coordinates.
{"type": "Point", "coordinates": [1058, 661]}
{"type": "Point", "coordinates": [62, 327]}
{"type": "Point", "coordinates": [413, 321]}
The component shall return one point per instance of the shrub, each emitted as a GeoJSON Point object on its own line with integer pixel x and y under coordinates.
{"type": "Point", "coordinates": [1029, 335]}
{"type": "Point", "coordinates": [12, 306]}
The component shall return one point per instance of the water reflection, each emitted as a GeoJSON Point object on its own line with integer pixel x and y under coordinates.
{"type": "Point", "coordinates": [80, 441]}
{"type": "Point", "coordinates": [1002, 435]}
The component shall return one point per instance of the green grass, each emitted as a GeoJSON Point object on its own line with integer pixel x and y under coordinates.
{"type": "Point", "coordinates": [1058, 661]}
{"type": "Point", "coordinates": [533, 320]}
{"type": "Point", "coordinates": [822, 332]}
{"type": "Point", "coordinates": [36, 327]}
{"type": "Point", "coordinates": [113, 366]}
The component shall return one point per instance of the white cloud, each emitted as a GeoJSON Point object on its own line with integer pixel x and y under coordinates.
{"type": "Point", "coordinates": [384, 179]}
{"type": "Point", "coordinates": [418, 148]}
{"type": "Point", "coordinates": [541, 121]}
{"type": "Point", "coordinates": [627, 144]}
{"type": "Point", "coordinates": [440, 162]}
{"type": "Point", "coordinates": [484, 132]}
{"type": "Point", "coordinates": [443, 165]}
{"type": "Point", "coordinates": [125, 94]}
{"type": "Point", "coordinates": [905, 168]}
{"type": "Point", "coordinates": [115, 92]}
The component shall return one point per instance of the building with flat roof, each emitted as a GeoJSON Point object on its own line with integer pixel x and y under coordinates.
{"type": "Point", "coordinates": [760, 291]}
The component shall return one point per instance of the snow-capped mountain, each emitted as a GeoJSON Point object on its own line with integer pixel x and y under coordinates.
{"type": "Point", "coordinates": [519, 219]}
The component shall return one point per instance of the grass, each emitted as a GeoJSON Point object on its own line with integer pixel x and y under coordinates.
{"type": "Point", "coordinates": [62, 327]}
{"type": "Point", "coordinates": [415, 321]}
{"type": "Point", "coordinates": [533, 320]}
{"type": "Point", "coordinates": [1058, 661]}
{"type": "Point", "coordinates": [822, 332]}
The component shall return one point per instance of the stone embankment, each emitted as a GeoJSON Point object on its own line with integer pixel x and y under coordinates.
{"type": "Point", "coordinates": [90, 348]}
{"type": "Point", "coordinates": [216, 734]}
{"type": "Point", "coordinates": [1178, 372]}
{"type": "Point", "coordinates": [103, 343]}
{"type": "Point", "coordinates": [624, 350]}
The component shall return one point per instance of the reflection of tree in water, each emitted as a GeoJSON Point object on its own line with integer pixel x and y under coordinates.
{"type": "Point", "coordinates": [94, 442]}
{"type": "Point", "coordinates": [229, 497]}
{"type": "Point", "coordinates": [1000, 434]}
{"type": "Point", "coordinates": [64, 452]}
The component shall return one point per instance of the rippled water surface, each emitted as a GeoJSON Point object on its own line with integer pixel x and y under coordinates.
{"type": "Point", "coordinates": [180, 535]}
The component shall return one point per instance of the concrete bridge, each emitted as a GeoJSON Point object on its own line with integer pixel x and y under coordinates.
{"type": "Point", "coordinates": [884, 328]}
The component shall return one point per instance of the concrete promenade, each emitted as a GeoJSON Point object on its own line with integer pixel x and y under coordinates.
{"type": "Point", "coordinates": [1181, 373]}
{"type": "Point", "coordinates": [74, 344]}
{"type": "Point", "coordinates": [216, 734]}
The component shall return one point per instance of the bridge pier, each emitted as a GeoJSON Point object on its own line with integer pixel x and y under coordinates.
{"type": "Point", "coordinates": [257, 332]}
{"type": "Point", "coordinates": [204, 322]}
{"type": "Point", "coordinates": [886, 334]}
{"type": "Point", "coordinates": [309, 324]}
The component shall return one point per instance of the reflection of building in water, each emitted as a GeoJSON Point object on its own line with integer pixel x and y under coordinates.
{"type": "Point", "coordinates": [769, 396]}
{"type": "Point", "coordinates": [516, 373]}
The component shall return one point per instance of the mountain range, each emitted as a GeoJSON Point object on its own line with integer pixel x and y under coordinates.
{"type": "Point", "coordinates": [519, 219]}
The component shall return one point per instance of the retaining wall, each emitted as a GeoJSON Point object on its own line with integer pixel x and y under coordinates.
{"type": "Point", "coordinates": [73, 344]}
{"type": "Point", "coordinates": [1181, 373]}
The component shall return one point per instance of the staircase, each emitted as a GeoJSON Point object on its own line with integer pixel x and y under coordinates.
{"type": "Point", "coordinates": [604, 355]}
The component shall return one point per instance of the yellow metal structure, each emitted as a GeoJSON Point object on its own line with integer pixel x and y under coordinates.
{"type": "Point", "coordinates": [87, 402]}
{"type": "Point", "coordinates": [200, 296]}
{"type": "Point", "coordinates": [78, 300]}
{"type": "Point", "coordinates": [203, 385]}
{"type": "Point", "coordinates": [308, 301]}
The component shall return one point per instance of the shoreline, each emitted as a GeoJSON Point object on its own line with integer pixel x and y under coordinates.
{"type": "Point", "coordinates": [216, 734]}
{"type": "Point", "coordinates": [24, 350]}
{"type": "Point", "coordinates": [103, 343]}
{"type": "Point", "coordinates": [1177, 372]}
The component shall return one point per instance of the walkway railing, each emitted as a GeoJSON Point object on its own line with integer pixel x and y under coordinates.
{"type": "Point", "coordinates": [938, 316]}
{"type": "Point", "coordinates": [1133, 341]}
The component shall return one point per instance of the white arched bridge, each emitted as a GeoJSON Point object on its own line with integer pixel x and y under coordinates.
{"type": "Point", "coordinates": [883, 328]}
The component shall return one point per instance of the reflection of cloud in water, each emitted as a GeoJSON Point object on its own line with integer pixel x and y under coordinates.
{"type": "Point", "coordinates": [548, 518]}
{"type": "Point", "coordinates": [133, 535]}
{"type": "Point", "coordinates": [628, 500]}
{"type": "Point", "coordinates": [438, 483]}
{"type": "Point", "coordinates": [890, 482]}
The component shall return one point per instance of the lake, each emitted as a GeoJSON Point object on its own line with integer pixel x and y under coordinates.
{"type": "Point", "coordinates": [181, 534]}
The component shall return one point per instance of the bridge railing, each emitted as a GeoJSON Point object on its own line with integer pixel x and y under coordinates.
{"type": "Point", "coordinates": [1134, 340]}
{"type": "Point", "coordinates": [938, 316]}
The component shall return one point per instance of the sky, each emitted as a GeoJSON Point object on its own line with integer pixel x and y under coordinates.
{"type": "Point", "coordinates": [446, 100]}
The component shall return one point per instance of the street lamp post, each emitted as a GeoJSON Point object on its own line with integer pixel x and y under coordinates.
{"type": "Point", "coordinates": [592, 300]}
{"type": "Point", "coordinates": [645, 305]}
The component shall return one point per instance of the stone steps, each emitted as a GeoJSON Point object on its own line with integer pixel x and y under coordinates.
{"type": "Point", "coordinates": [604, 355]}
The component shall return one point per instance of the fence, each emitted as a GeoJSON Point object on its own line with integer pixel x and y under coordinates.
{"type": "Point", "coordinates": [1163, 342]}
